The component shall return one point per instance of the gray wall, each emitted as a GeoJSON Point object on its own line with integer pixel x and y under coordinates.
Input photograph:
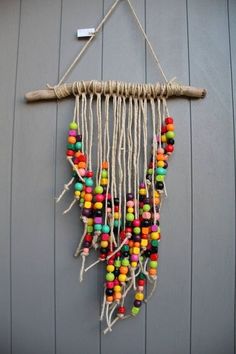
{"type": "Point", "coordinates": [43, 308]}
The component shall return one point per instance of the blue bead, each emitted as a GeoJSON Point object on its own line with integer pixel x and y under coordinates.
{"type": "Point", "coordinates": [161, 171]}
{"type": "Point", "coordinates": [105, 229]}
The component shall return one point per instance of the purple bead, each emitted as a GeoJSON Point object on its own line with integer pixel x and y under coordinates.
{"type": "Point", "coordinates": [79, 138]}
{"type": "Point", "coordinates": [129, 196]}
{"type": "Point", "coordinates": [72, 132]}
{"type": "Point", "coordinates": [137, 238]}
{"type": "Point", "coordinates": [97, 220]}
{"type": "Point", "coordinates": [86, 244]}
{"type": "Point", "coordinates": [137, 303]}
{"type": "Point", "coordinates": [142, 185]}
{"type": "Point", "coordinates": [86, 212]}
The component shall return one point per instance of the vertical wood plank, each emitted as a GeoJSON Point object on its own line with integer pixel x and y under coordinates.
{"type": "Point", "coordinates": [9, 26]}
{"type": "Point", "coordinates": [124, 60]}
{"type": "Point", "coordinates": [33, 183]}
{"type": "Point", "coordinates": [168, 324]}
{"type": "Point", "coordinates": [232, 33]}
{"type": "Point", "coordinates": [213, 189]}
{"type": "Point", "coordinates": [77, 317]}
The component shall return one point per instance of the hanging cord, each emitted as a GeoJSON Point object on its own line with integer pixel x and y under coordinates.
{"type": "Point", "coordinates": [134, 157]}
{"type": "Point", "coordinates": [108, 150]}
{"type": "Point", "coordinates": [130, 142]}
{"type": "Point", "coordinates": [153, 156]}
{"type": "Point", "coordinates": [99, 148]}
{"type": "Point", "coordinates": [90, 116]}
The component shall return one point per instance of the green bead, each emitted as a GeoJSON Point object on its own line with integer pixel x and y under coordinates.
{"type": "Point", "coordinates": [89, 229]}
{"type": "Point", "coordinates": [104, 173]}
{"type": "Point", "coordinates": [150, 171]}
{"type": "Point", "coordinates": [110, 276]}
{"type": "Point", "coordinates": [105, 229]}
{"type": "Point", "coordinates": [74, 174]}
{"type": "Point", "coordinates": [146, 207]}
{"type": "Point", "coordinates": [137, 230]}
{"type": "Point", "coordinates": [170, 135]}
{"type": "Point", "coordinates": [153, 264]}
{"type": "Point", "coordinates": [78, 186]}
{"type": "Point", "coordinates": [78, 145]}
{"type": "Point", "coordinates": [116, 223]}
{"type": "Point", "coordinates": [142, 276]}
{"type": "Point", "coordinates": [154, 243]}
{"type": "Point", "coordinates": [129, 217]}
{"type": "Point", "coordinates": [117, 263]}
{"type": "Point", "coordinates": [98, 227]}
{"type": "Point", "coordinates": [160, 178]}
{"type": "Point", "coordinates": [135, 310]}
{"type": "Point", "coordinates": [161, 171]}
{"type": "Point", "coordinates": [98, 190]}
{"type": "Point", "coordinates": [125, 248]}
{"type": "Point", "coordinates": [73, 125]}
{"type": "Point", "coordinates": [125, 262]}
{"type": "Point", "coordinates": [89, 182]}
{"type": "Point", "coordinates": [71, 146]}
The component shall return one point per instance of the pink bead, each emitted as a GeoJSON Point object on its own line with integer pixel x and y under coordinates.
{"type": "Point", "coordinates": [136, 223]}
{"type": "Point", "coordinates": [109, 210]}
{"type": "Point", "coordinates": [98, 220]}
{"type": "Point", "coordinates": [85, 251]}
{"type": "Point", "coordinates": [157, 216]}
{"type": "Point", "coordinates": [88, 190]}
{"type": "Point", "coordinates": [154, 228]}
{"type": "Point", "coordinates": [99, 198]}
{"type": "Point", "coordinates": [140, 288]}
{"type": "Point", "coordinates": [130, 204]}
{"type": "Point", "coordinates": [146, 215]}
{"type": "Point", "coordinates": [82, 172]}
{"type": "Point", "coordinates": [134, 257]}
{"type": "Point", "coordinates": [142, 185]}
{"type": "Point", "coordinates": [72, 133]}
{"type": "Point", "coordinates": [110, 285]}
{"type": "Point", "coordinates": [160, 151]}
{"type": "Point", "coordinates": [116, 282]}
{"type": "Point", "coordinates": [105, 237]}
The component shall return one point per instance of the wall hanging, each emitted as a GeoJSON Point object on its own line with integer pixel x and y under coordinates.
{"type": "Point", "coordinates": [120, 188]}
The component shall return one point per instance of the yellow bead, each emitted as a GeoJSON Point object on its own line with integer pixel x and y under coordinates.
{"type": "Point", "coordinates": [117, 215]}
{"type": "Point", "coordinates": [134, 264]}
{"type": "Point", "coordinates": [98, 205]}
{"type": "Point", "coordinates": [139, 296]}
{"type": "Point", "coordinates": [160, 164]}
{"type": "Point", "coordinates": [87, 205]}
{"type": "Point", "coordinates": [130, 210]}
{"type": "Point", "coordinates": [89, 221]}
{"type": "Point", "coordinates": [157, 194]}
{"type": "Point", "coordinates": [104, 181]}
{"type": "Point", "coordinates": [142, 191]}
{"type": "Point", "coordinates": [144, 243]}
{"type": "Point", "coordinates": [158, 237]}
{"type": "Point", "coordinates": [136, 250]}
{"type": "Point", "coordinates": [122, 278]}
{"type": "Point", "coordinates": [154, 235]}
{"type": "Point", "coordinates": [77, 193]}
{"type": "Point", "coordinates": [110, 267]}
{"type": "Point", "coordinates": [117, 288]}
{"type": "Point", "coordinates": [82, 194]}
{"type": "Point", "coordinates": [163, 138]}
{"type": "Point", "coordinates": [104, 244]}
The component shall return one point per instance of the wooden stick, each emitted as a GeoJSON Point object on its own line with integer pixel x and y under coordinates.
{"type": "Point", "coordinates": [114, 87]}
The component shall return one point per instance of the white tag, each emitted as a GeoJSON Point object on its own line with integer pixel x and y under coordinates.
{"type": "Point", "coordinates": [85, 32]}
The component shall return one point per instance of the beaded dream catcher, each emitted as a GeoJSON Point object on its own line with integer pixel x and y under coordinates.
{"type": "Point", "coordinates": [119, 184]}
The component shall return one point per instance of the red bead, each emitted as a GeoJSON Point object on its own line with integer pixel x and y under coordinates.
{"type": "Point", "coordinates": [118, 254]}
{"type": "Point", "coordinates": [141, 282]}
{"type": "Point", "coordinates": [121, 310]}
{"type": "Point", "coordinates": [153, 257]}
{"type": "Point", "coordinates": [102, 256]}
{"type": "Point", "coordinates": [99, 197]}
{"type": "Point", "coordinates": [163, 129]}
{"type": "Point", "coordinates": [88, 238]}
{"type": "Point", "coordinates": [110, 261]}
{"type": "Point", "coordinates": [116, 208]}
{"type": "Point", "coordinates": [169, 148]}
{"type": "Point", "coordinates": [169, 120]}
{"type": "Point", "coordinates": [116, 282]}
{"type": "Point", "coordinates": [110, 284]}
{"type": "Point", "coordinates": [89, 174]}
{"type": "Point", "coordinates": [136, 222]}
{"type": "Point", "coordinates": [128, 230]}
{"type": "Point", "coordinates": [105, 237]}
{"type": "Point", "coordinates": [70, 153]}
{"type": "Point", "coordinates": [82, 158]}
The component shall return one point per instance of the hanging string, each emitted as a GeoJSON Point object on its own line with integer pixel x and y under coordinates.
{"type": "Point", "coordinates": [90, 116]}
{"type": "Point", "coordinates": [130, 141]}
{"type": "Point", "coordinates": [134, 157]}
{"type": "Point", "coordinates": [107, 156]}
{"type": "Point", "coordinates": [153, 155]}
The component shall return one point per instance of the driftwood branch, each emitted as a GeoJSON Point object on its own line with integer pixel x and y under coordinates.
{"type": "Point", "coordinates": [114, 87]}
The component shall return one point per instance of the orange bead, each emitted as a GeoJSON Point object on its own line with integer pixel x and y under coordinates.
{"type": "Point", "coordinates": [88, 197]}
{"type": "Point", "coordinates": [170, 127]}
{"type": "Point", "coordinates": [117, 296]}
{"type": "Point", "coordinates": [78, 153]}
{"type": "Point", "coordinates": [152, 271]}
{"type": "Point", "coordinates": [82, 164]}
{"type": "Point", "coordinates": [136, 244]}
{"type": "Point", "coordinates": [123, 270]}
{"type": "Point", "coordinates": [166, 157]}
{"type": "Point", "coordinates": [131, 243]}
{"type": "Point", "coordinates": [105, 164]}
{"type": "Point", "coordinates": [145, 230]}
{"type": "Point", "coordinates": [71, 140]}
{"type": "Point", "coordinates": [109, 298]}
{"type": "Point", "coordinates": [160, 157]}
{"type": "Point", "coordinates": [157, 201]}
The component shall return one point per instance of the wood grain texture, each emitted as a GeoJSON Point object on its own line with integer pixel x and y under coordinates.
{"type": "Point", "coordinates": [33, 304]}
{"type": "Point", "coordinates": [77, 304]}
{"type": "Point", "coordinates": [9, 26]}
{"type": "Point", "coordinates": [168, 321]}
{"type": "Point", "coordinates": [213, 198]}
